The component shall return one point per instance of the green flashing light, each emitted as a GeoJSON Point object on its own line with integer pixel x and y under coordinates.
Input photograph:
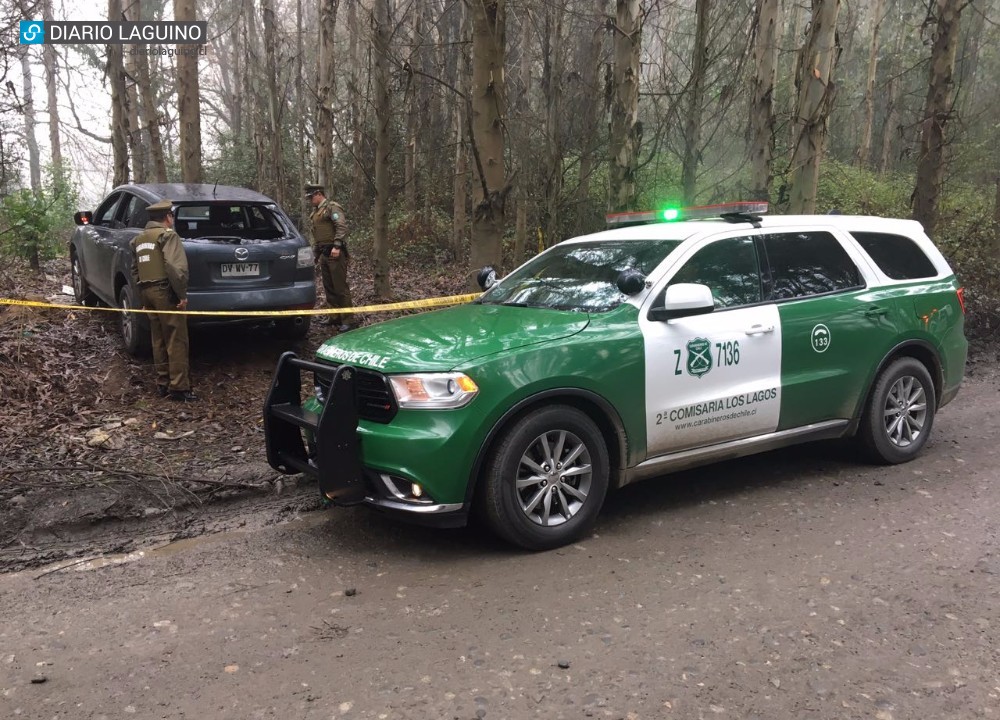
{"type": "Point", "coordinates": [671, 214]}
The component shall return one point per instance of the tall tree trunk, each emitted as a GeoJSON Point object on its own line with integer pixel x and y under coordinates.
{"type": "Point", "coordinates": [892, 99]}
{"type": "Point", "coordinates": [815, 100]}
{"type": "Point", "coordinates": [553, 72]}
{"type": "Point", "coordinates": [188, 100]}
{"type": "Point", "coordinates": [358, 179]}
{"type": "Point", "coordinates": [51, 70]}
{"type": "Point", "coordinates": [239, 37]}
{"type": "Point", "coordinates": [252, 73]}
{"type": "Point", "coordinates": [137, 149]}
{"type": "Point", "coordinates": [765, 55]}
{"type": "Point", "coordinates": [995, 236]}
{"type": "Point", "coordinates": [625, 132]}
{"type": "Point", "coordinates": [521, 106]}
{"type": "Point", "coordinates": [34, 159]}
{"type": "Point", "coordinates": [325, 91]}
{"type": "Point", "coordinates": [274, 102]}
{"type": "Point", "coordinates": [119, 110]}
{"type": "Point", "coordinates": [937, 111]}
{"type": "Point", "coordinates": [696, 102]}
{"type": "Point", "coordinates": [461, 179]}
{"type": "Point", "coordinates": [463, 80]}
{"type": "Point", "coordinates": [588, 126]}
{"type": "Point", "coordinates": [434, 120]}
{"type": "Point", "coordinates": [793, 45]}
{"type": "Point", "coordinates": [970, 56]}
{"type": "Point", "coordinates": [865, 147]}
{"type": "Point", "coordinates": [381, 32]}
{"type": "Point", "coordinates": [488, 102]}
{"type": "Point", "coordinates": [300, 125]}
{"type": "Point", "coordinates": [412, 116]}
{"type": "Point", "coordinates": [151, 119]}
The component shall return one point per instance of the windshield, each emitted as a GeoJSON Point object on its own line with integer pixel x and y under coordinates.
{"type": "Point", "coordinates": [578, 276]}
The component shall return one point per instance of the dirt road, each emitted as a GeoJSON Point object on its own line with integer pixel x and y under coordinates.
{"type": "Point", "coordinates": [796, 584]}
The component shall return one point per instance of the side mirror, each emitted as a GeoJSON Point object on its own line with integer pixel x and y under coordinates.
{"type": "Point", "coordinates": [683, 300]}
{"type": "Point", "coordinates": [487, 277]}
{"type": "Point", "coordinates": [630, 282]}
{"type": "Point", "coordinates": [84, 217]}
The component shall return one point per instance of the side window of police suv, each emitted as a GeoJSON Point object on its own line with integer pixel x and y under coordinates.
{"type": "Point", "coordinates": [729, 268]}
{"type": "Point", "coordinates": [899, 257]}
{"type": "Point", "coordinates": [808, 263]}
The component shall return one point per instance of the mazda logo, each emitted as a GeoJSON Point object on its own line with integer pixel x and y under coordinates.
{"type": "Point", "coordinates": [242, 253]}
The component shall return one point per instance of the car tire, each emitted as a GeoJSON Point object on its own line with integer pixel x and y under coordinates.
{"type": "Point", "coordinates": [133, 327]}
{"type": "Point", "coordinates": [900, 412]}
{"type": "Point", "coordinates": [289, 329]}
{"type": "Point", "coordinates": [528, 499]}
{"type": "Point", "coordinates": [82, 293]}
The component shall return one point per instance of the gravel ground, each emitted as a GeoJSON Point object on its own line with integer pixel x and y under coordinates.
{"type": "Point", "coordinates": [796, 584]}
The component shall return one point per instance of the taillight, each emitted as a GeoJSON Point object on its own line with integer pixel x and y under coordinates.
{"type": "Point", "coordinates": [961, 298]}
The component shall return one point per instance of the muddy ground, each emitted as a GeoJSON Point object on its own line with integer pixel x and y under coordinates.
{"type": "Point", "coordinates": [92, 460]}
{"type": "Point", "coordinates": [797, 584]}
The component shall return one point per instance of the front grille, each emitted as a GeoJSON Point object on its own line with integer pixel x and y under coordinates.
{"type": "Point", "coordinates": [375, 399]}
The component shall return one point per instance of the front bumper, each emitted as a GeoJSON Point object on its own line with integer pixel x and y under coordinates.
{"type": "Point", "coordinates": [326, 445]}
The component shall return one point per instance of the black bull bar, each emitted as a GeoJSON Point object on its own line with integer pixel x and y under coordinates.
{"type": "Point", "coordinates": [336, 458]}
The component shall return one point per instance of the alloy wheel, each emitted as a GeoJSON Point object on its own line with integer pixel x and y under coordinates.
{"type": "Point", "coordinates": [554, 478]}
{"type": "Point", "coordinates": [905, 411]}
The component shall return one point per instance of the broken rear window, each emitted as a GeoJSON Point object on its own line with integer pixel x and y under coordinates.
{"type": "Point", "coordinates": [233, 220]}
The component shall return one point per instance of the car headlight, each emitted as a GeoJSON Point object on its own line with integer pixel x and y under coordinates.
{"type": "Point", "coordinates": [433, 390]}
{"type": "Point", "coordinates": [304, 258]}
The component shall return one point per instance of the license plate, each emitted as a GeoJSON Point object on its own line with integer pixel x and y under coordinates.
{"type": "Point", "coordinates": [240, 269]}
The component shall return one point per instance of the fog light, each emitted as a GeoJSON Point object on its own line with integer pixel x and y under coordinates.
{"type": "Point", "coordinates": [405, 490]}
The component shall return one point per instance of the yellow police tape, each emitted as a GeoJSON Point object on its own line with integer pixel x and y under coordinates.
{"type": "Point", "coordinates": [388, 307]}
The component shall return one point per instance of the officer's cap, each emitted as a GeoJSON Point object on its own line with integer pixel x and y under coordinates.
{"type": "Point", "coordinates": [162, 207]}
{"type": "Point", "coordinates": [312, 189]}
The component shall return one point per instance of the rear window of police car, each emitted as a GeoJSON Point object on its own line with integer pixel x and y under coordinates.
{"type": "Point", "coordinates": [898, 256]}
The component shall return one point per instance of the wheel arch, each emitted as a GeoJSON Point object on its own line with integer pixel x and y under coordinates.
{"type": "Point", "coordinates": [590, 403]}
{"type": "Point", "coordinates": [921, 351]}
{"type": "Point", "coordinates": [120, 281]}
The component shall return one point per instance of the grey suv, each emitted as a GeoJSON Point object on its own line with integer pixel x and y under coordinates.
{"type": "Point", "coordinates": [243, 252]}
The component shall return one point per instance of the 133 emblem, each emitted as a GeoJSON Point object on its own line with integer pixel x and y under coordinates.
{"type": "Point", "coordinates": [820, 338]}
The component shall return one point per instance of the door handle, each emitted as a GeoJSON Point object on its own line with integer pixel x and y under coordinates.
{"type": "Point", "coordinates": [875, 312]}
{"type": "Point", "coordinates": [760, 329]}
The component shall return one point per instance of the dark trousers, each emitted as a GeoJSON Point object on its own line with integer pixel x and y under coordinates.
{"type": "Point", "coordinates": [170, 338]}
{"type": "Point", "coordinates": [335, 286]}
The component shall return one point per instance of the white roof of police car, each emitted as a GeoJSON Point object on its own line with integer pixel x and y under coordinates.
{"type": "Point", "coordinates": [682, 230]}
{"type": "Point", "coordinates": [696, 229]}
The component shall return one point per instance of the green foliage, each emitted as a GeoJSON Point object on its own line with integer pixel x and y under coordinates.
{"type": "Point", "coordinates": [418, 240]}
{"type": "Point", "coordinates": [236, 163]}
{"type": "Point", "coordinates": [35, 224]}
{"type": "Point", "coordinates": [856, 191]}
{"type": "Point", "coordinates": [966, 233]}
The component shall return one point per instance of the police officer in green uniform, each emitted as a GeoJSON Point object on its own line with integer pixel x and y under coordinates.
{"type": "Point", "coordinates": [330, 251]}
{"type": "Point", "coordinates": [160, 270]}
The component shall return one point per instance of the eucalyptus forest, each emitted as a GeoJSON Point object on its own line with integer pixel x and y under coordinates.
{"type": "Point", "coordinates": [495, 128]}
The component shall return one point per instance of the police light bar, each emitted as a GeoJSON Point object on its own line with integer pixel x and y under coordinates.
{"type": "Point", "coordinates": [697, 212]}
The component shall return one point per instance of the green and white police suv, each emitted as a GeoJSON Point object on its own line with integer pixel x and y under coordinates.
{"type": "Point", "coordinates": [627, 354]}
